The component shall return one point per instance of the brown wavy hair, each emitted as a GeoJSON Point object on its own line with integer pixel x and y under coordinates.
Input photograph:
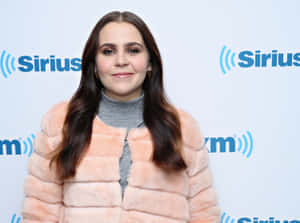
{"type": "Point", "coordinates": [160, 117]}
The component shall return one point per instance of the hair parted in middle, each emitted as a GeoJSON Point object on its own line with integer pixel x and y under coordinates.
{"type": "Point", "coordinates": [160, 117]}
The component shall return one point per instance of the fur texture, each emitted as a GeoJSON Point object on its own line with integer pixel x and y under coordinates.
{"type": "Point", "coordinates": [94, 194]}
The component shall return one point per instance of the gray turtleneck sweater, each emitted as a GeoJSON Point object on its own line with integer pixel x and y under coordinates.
{"type": "Point", "coordinates": [128, 115]}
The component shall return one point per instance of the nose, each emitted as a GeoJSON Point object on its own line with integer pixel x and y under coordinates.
{"type": "Point", "coordinates": [121, 59]}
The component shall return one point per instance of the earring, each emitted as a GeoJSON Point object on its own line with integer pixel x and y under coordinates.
{"type": "Point", "coordinates": [96, 74]}
{"type": "Point", "coordinates": [149, 73]}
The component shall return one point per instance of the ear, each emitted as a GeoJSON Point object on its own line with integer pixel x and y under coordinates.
{"type": "Point", "coordinates": [149, 68]}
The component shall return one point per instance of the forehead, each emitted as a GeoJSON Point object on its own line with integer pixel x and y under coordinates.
{"type": "Point", "coordinates": [119, 33]}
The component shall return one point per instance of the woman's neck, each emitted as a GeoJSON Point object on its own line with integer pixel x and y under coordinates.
{"type": "Point", "coordinates": [121, 113]}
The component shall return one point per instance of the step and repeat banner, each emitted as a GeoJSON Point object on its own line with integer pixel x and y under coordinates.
{"type": "Point", "coordinates": [234, 65]}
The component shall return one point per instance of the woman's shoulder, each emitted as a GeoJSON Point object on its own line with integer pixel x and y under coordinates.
{"type": "Point", "coordinates": [194, 151]}
{"type": "Point", "coordinates": [192, 134]}
{"type": "Point", "coordinates": [53, 119]}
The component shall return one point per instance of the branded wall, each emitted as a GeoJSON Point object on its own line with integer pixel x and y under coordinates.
{"type": "Point", "coordinates": [234, 65]}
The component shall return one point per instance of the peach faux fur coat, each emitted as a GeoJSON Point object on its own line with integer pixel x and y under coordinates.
{"type": "Point", "coordinates": [94, 194]}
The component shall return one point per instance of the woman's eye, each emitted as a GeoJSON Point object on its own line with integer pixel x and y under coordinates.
{"type": "Point", "coordinates": [107, 52]}
{"type": "Point", "coordinates": [134, 50]}
{"type": "Point", "coordinates": [131, 51]}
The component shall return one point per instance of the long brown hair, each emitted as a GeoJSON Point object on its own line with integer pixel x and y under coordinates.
{"type": "Point", "coordinates": [160, 117]}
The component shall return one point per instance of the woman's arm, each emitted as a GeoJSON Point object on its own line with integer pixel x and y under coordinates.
{"type": "Point", "coordinates": [43, 191]}
{"type": "Point", "coordinates": [202, 197]}
{"type": "Point", "coordinates": [203, 201]}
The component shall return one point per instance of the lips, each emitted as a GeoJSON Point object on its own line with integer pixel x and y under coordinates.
{"type": "Point", "coordinates": [122, 74]}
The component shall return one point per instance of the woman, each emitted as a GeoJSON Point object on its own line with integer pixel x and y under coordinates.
{"type": "Point", "coordinates": [118, 151]}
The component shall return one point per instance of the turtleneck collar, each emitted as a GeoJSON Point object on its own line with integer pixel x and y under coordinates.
{"type": "Point", "coordinates": [122, 103]}
{"type": "Point", "coordinates": [117, 113]}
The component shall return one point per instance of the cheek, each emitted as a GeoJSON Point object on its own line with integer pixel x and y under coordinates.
{"type": "Point", "coordinates": [103, 66]}
{"type": "Point", "coordinates": [140, 64]}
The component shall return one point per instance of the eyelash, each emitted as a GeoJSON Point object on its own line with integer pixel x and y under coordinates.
{"type": "Point", "coordinates": [132, 50]}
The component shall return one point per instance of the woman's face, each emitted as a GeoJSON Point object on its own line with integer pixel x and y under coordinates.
{"type": "Point", "coordinates": [122, 50]}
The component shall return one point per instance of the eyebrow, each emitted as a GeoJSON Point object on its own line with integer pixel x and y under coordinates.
{"type": "Point", "coordinates": [127, 44]}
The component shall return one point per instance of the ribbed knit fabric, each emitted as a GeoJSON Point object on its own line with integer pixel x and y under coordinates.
{"type": "Point", "coordinates": [128, 115]}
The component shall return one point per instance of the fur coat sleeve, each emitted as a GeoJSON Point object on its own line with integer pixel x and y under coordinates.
{"type": "Point", "coordinates": [43, 191]}
{"type": "Point", "coordinates": [202, 197]}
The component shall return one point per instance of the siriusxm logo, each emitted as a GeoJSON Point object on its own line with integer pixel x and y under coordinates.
{"type": "Point", "coordinates": [243, 144]}
{"type": "Point", "coordinates": [16, 146]}
{"type": "Point", "coordinates": [37, 64]}
{"type": "Point", "coordinates": [15, 219]}
{"type": "Point", "coordinates": [227, 219]}
{"type": "Point", "coordinates": [249, 58]}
